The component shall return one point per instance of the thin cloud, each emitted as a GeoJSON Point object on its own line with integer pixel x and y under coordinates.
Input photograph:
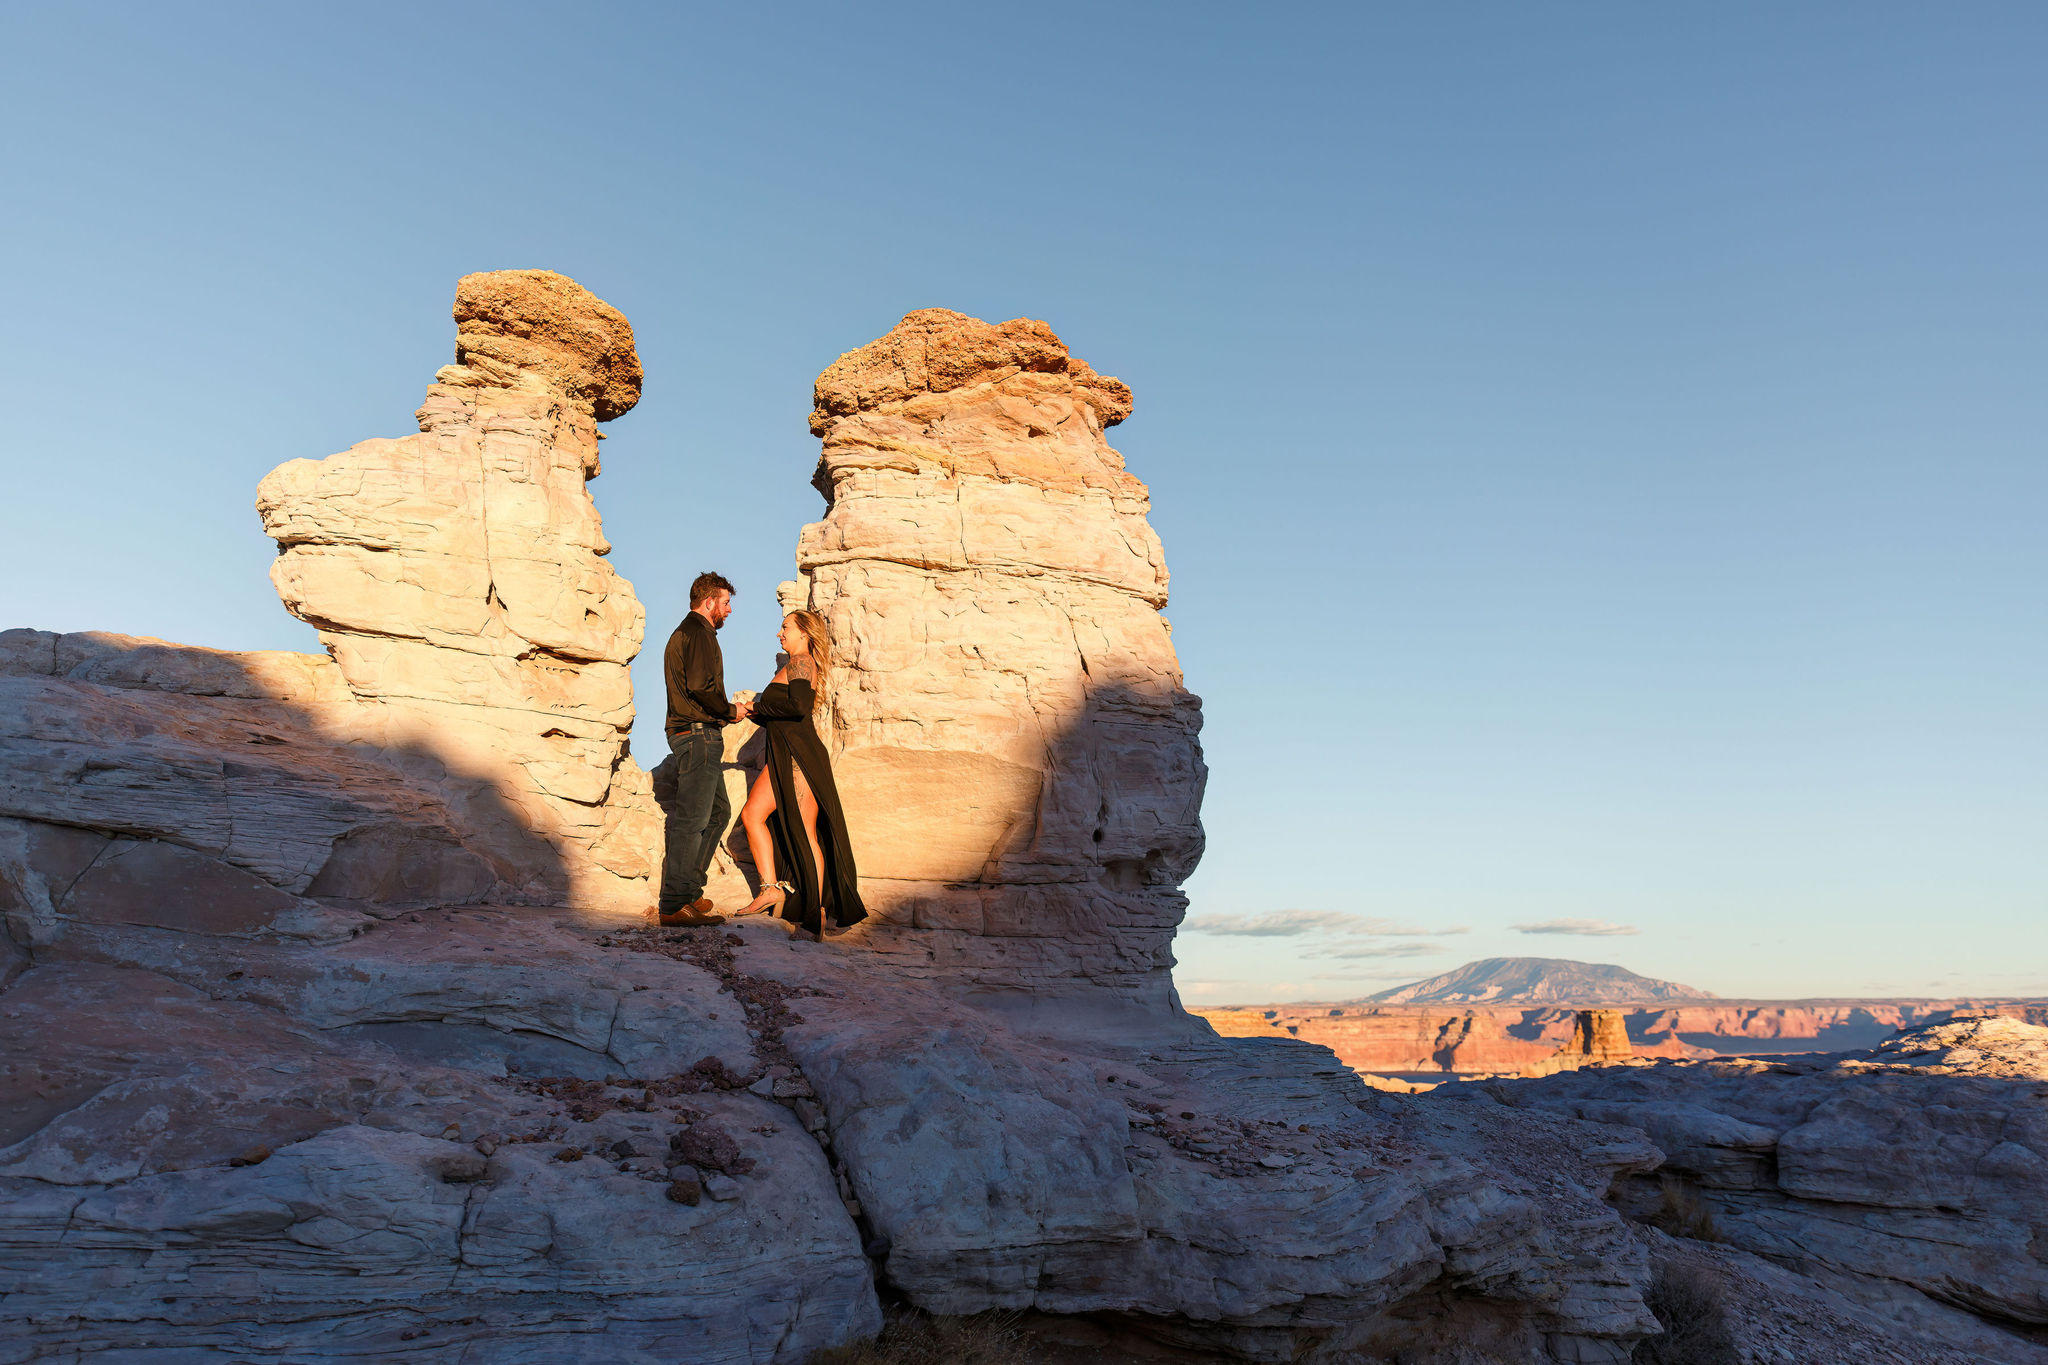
{"type": "Point", "coordinates": [1362, 974]}
{"type": "Point", "coordinates": [1296, 923]}
{"type": "Point", "coordinates": [1277, 924]}
{"type": "Point", "coordinates": [1389, 929]}
{"type": "Point", "coordinates": [1587, 928]}
{"type": "Point", "coordinates": [1385, 950]}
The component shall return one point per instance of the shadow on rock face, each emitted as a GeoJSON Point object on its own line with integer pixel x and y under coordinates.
{"type": "Point", "coordinates": [1062, 904]}
{"type": "Point", "coordinates": [160, 786]}
{"type": "Point", "coordinates": [272, 1038]}
{"type": "Point", "coordinates": [1048, 889]}
{"type": "Point", "coordinates": [337, 1099]}
{"type": "Point", "coordinates": [207, 817]}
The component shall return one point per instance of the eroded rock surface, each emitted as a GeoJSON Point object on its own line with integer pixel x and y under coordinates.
{"type": "Point", "coordinates": [265, 1147]}
{"type": "Point", "coordinates": [322, 1037]}
{"type": "Point", "coordinates": [1015, 750]}
{"type": "Point", "coordinates": [1922, 1163]}
{"type": "Point", "coordinates": [507, 1130]}
{"type": "Point", "coordinates": [145, 783]}
{"type": "Point", "coordinates": [1773, 1316]}
{"type": "Point", "coordinates": [1247, 1198]}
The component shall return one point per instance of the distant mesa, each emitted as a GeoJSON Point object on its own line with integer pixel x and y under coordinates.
{"type": "Point", "coordinates": [1537, 981]}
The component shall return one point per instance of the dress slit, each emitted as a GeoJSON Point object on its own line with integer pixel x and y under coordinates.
{"type": "Point", "coordinates": [784, 712]}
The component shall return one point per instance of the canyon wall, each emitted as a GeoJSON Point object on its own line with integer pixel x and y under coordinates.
{"type": "Point", "coordinates": [1390, 1040]}
{"type": "Point", "coordinates": [1416, 1040]}
{"type": "Point", "coordinates": [1015, 750]}
{"type": "Point", "coordinates": [1809, 1025]}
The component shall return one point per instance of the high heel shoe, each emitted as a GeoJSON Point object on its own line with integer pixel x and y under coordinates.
{"type": "Point", "coordinates": [761, 905]}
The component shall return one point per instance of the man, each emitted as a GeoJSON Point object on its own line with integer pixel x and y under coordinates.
{"type": "Point", "coordinates": [693, 787]}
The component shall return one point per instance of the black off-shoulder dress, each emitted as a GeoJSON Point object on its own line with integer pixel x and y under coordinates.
{"type": "Point", "coordinates": [783, 711]}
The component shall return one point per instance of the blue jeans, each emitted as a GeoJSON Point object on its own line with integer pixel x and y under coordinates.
{"type": "Point", "coordinates": [690, 785]}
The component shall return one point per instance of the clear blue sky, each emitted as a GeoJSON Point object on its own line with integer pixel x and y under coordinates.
{"type": "Point", "coordinates": [1599, 447]}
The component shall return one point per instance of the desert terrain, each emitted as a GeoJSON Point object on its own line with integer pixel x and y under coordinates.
{"type": "Point", "coordinates": [333, 1027]}
{"type": "Point", "coordinates": [1503, 1016]}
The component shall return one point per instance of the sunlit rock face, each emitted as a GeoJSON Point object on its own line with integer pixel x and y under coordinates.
{"type": "Point", "coordinates": [1017, 755]}
{"type": "Point", "coordinates": [458, 578]}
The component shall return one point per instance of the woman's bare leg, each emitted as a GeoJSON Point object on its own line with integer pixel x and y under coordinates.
{"type": "Point", "coordinates": [754, 819]}
{"type": "Point", "coordinates": [807, 805]}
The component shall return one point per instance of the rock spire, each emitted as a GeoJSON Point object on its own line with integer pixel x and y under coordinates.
{"type": "Point", "coordinates": [458, 578]}
{"type": "Point", "coordinates": [1016, 751]}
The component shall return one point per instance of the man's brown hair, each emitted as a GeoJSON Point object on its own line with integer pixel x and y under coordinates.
{"type": "Point", "coordinates": [706, 586]}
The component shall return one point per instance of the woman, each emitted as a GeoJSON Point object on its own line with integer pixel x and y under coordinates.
{"type": "Point", "coordinates": [792, 814]}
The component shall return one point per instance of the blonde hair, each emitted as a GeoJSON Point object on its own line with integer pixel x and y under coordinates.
{"type": "Point", "coordinates": [818, 642]}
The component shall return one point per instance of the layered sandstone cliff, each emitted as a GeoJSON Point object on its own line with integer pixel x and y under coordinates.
{"type": "Point", "coordinates": [1419, 1041]}
{"type": "Point", "coordinates": [1016, 752]}
{"type": "Point", "coordinates": [1746, 1026]}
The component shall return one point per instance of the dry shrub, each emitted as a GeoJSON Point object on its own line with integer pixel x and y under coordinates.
{"type": "Point", "coordinates": [913, 1338]}
{"type": "Point", "coordinates": [1682, 1214]}
{"type": "Point", "coordinates": [1692, 1307]}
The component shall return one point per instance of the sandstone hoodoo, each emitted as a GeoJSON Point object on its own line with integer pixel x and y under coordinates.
{"type": "Point", "coordinates": [463, 738]}
{"type": "Point", "coordinates": [458, 580]}
{"type": "Point", "coordinates": [1599, 1038]}
{"type": "Point", "coordinates": [1011, 725]}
